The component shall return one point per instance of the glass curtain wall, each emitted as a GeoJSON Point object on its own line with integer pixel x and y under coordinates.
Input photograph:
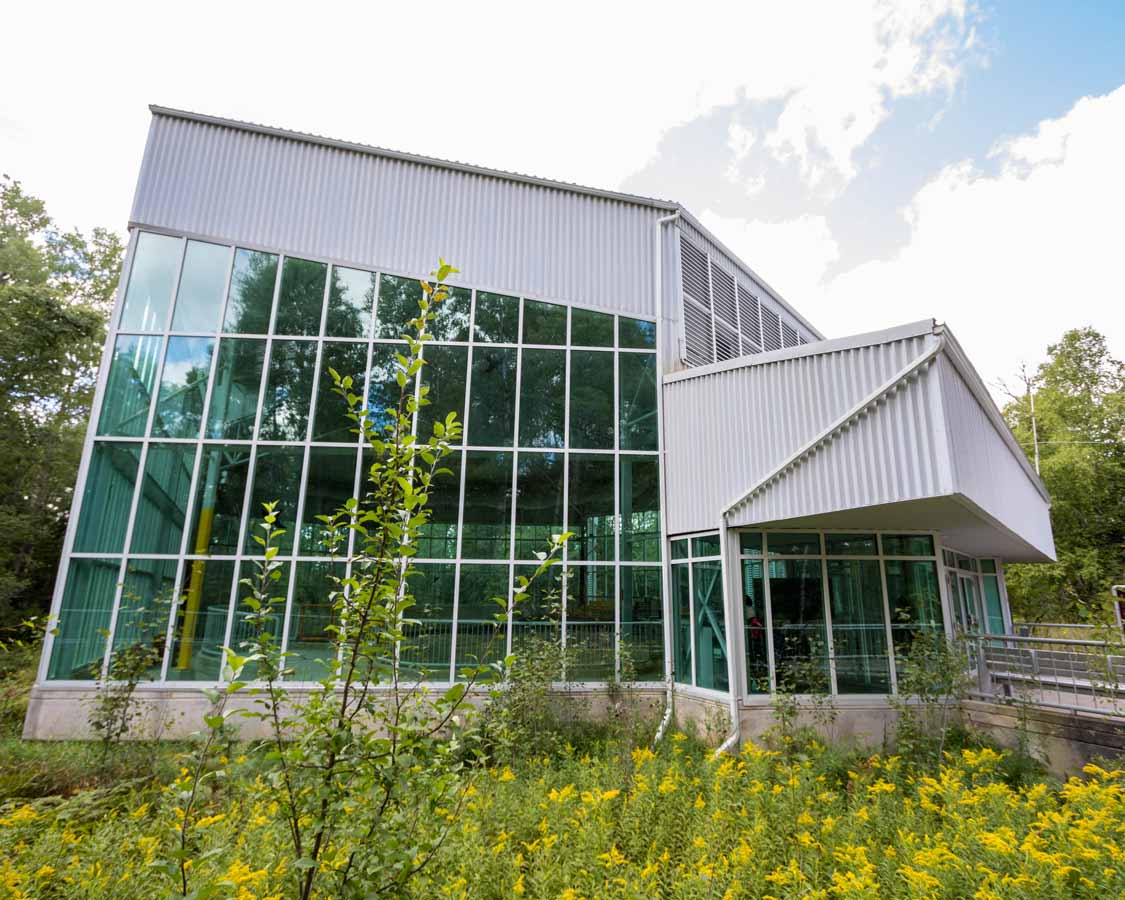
{"type": "Point", "coordinates": [699, 631]}
{"type": "Point", "coordinates": [217, 400]}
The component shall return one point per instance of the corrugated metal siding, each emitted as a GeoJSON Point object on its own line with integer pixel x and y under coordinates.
{"type": "Point", "coordinates": [984, 469]}
{"type": "Point", "coordinates": [398, 216]}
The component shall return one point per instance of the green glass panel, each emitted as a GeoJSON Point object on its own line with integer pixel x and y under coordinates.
{"type": "Point", "coordinates": [242, 633]}
{"type": "Point", "coordinates": [543, 323]}
{"type": "Point", "coordinates": [642, 624]}
{"type": "Point", "coordinates": [591, 513]}
{"type": "Point", "coordinates": [151, 281]}
{"type": "Point", "coordinates": [591, 399]}
{"type": "Point", "coordinates": [480, 639]}
{"type": "Point", "coordinates": [706, 545]}
{"type": "Point", "coordinates": [451, 316]}
{"type": "Point", "coordinates": [289, 385]}
{"type": "Point", "coordinates": [680, 549]}
{"type": "Point", "coordinates": [640, 508]}
{"type": "Point", "coordinates": [438, 537]}
{"type": "Point", "coordinates": [199, 301]}
{"type": "Point", "coordinates": [301, 299]}
{"type": "Point", "coordinates": [141, 628]}
{"type": "Point", "coordinates": [443, 378]}
{"type": "Point", "coordinates": [636, 333]}
{"type": "Point", "coordinates": [908, 545]}
{"type": "Point", "coordinates": [428, 644]}
{"type": "Point", "coordinates": [543, 398]}
{"type": "Point", "coordinates": [331, 422]}
{"type": "Point", "coordinates": [107, 497]}
{"type": "Point", "coordinates": [988, 566]}
{"type": "Point", "coordinates": [915, 601]}
{"type": "Point", "coordinates": [351, 298]}
{"type": "Point", "coordinates": [330, 482]}
{"type": "Point", "coordinates": [312, 613]}
{"type": "Point", "coordinates": [128, 389]}
{"type": "Point", "coordinates": [590, 623]}
{"type": "Point", "coordinates": [219, 497]}
{"type": "Point", "coordinates": [384, 393]}
{"type": "Point", "coordinates": [539, 502]}
{"type": "Point", "coordinates": [800, 641]}
{"type": "Point", "coordinates": [277, 478]}
{"type": "Point", "coordinates": [165, 490]}
{"type": "Point", "coordinates": [538, 619]}
{"type": "Point", "coordinates": [993, 605]}
{"type": "Point", "coordinates": [497, 319]}
{"type": "Point", "coordinates": [850, 544]}
{"type": "Point", "coordinates": [251, 293]}
{"type": "Point", "coordinates": [638, 401]}
{"type": "Point", "coordinates": [398, 304]}
{"type": "Point", "coordinates": [492, 398]}
{"type": "Point", "coordinates": [681, 623]}
{"type": "Point", "coordinates": [859, 632]}
{"type": "Point", "coordinates": [238, 382]}
{"type": "Point", "coordinates": [488, 506]}
{"type": "Point", "coordinates": [710, 626]}
{"type": "Point", "coordinates": [78, 646]}
{"type": "Point", "coordinates": [201, 621]}
{"type": "Point", "coordinates": [750, 543]}
{"type": "Point", "coordinates": [788, 544]}
{"type": "Point", "coordinates": [754, 627]}
{"type": "Point", "coordinates": [590, 329]}
{"type": "Point", "coordinates": [183, 387]}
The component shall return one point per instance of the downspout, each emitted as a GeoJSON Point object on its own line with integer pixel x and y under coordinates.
{"type": "Point", "coordinates": [665, 567]}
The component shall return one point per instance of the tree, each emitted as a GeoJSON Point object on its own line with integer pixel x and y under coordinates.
{"type": "Point", "coordinates": [1080, 415]}
{"type": "Point", "coordinates": [56, 292]}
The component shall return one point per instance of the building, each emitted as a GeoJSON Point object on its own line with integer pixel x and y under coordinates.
{"type": "Point", "coordinates": [753, 503]}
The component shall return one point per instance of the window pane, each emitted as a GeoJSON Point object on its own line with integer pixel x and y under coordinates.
{"type": "Point", "coordinates": [451, 317]}
{"type": "Point", "coordinates": [859, 633]}
{"type": "Point", "coordinates": [590, 623]}
{"type": "Point", "coordinates": [538, 619]}
{"type": "Point", "coordinates": [285, 410]}
{"type": "Point", "coordinates": [710, 626]}
{"type": "Point", "coordinates": [444, 376]}
{"type": "Point", "coordinates": [640, 508]}
{"type": "Point", "coordinates": [543, 398]}
{"type": "Point", "coordinates": [241, 631]}
{"type": "Point", "coordinates": [201, 621]}
{"type": "Point", "coordinates": [332, 422]}
{"type": "Point", "coordinates": [591, 399]}
{"type": "Point", "coordinates": [539, 503]}
{"type": "Point", "coordinates": [183, 387]}
{"type": "Point", "coordinates": [492, 402]}
{"type": "Point", "coordinates": [706, 545]}
{"type": "Point", "coordinates": [438, 537]}
{"type": "Point", "coordinates": [251, 292]}
{"type": "Point", "coordinates": [636, 333]}
{"type": "Point", "coordinates": [162, 508]}
{"type": "Point", "coordinates": [384, 392]}
{"type": "Point", "coordinates": [87, 602]}
{"type": "Point", "coordinates": [800, 642]}
{"type": "Point", "coordinates": [750, 543]}
{"type": "Point", "coordinates": [988, 566]}
{"type": "Point", "coordinates": [128, 390]}
{"type": "Point", "coordinates": [151, 282]}
{"type": "Point", "coordinates": [680, 549]}
{"type": "Point", "coordinates": [908, 545]}
{"type": "Point", "coordinates": [993, 606]}
{"type": "Point", "coordinates": [754, 625]}
{"type": "Point", "coordinates": [590, 329]}
{"type": "Point", "coordinates": [781, 544]}
{"type": "Point", "coordinates": [642, 624]}
{"type": "Point", "coordinates": [488, 506]}
{"type": "Point", "coordinates": [238, 381]}
{"type": "Point", "coordinates": [142, 617]}
{"type": "Point", "coordinates": [479, 638]}
{"type": "Point", "coordinates": [638, 401]}
{"type": "Point", "coordinates": [312, 613]}
{"type": "Point", "coordinates": [330, 482]}
{"type": "Point", "coordinates": [202, 282]}
{"type": "Point", "coordinates": [543, 323]}
{"type": "Point", "coordinates": [915, 601]}
{"type": "Point", "coordinates": [591, 508]}
{"type": "Point", "coordinates": [429, 644]}
{"type": "Point", "coordinates": [850, 544]}
{"type": "Point", "coordinates": [219, 496]}
{"type": "Point", "coordinates": [681, 623]}
{"type": "Point", "coordinates": [301, 298]}
{"type": "Point", "coordinates": [398, 304]}
{"type": "Point", "coordinates": [277, 477]}
{"type": "Point", "coordinates": [350, 301]}
{"type": "Point", "coordinates": [106, 497]}
{"type": "Point", "coordinates": [497, 318]}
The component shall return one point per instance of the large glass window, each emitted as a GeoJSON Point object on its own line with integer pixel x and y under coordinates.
{"type": "Point", "coordinates": [141, 627]}
{"type": "Point", "coordinates": [351, 297]}
{"type": "Point", "coordinates": [200, 629]}
{"type": "Point", "coordinates": [107, 497]}
{"type": "Point", "coordinates": [590, 329]}
{"type": "Point", "coordinates": [313, 612]}
{"type": "Point", "coordinates": [79, 642]}
{"type": "Point", "coordinates": [251, 293]}
{"type": "Point", "coordinates": [538, 619]}
{"type": "Point", "coordinates": [183, 387]}
{"type": "Point", "coordinates": [640, 508]}
{"type": "Point", "coordinates": [543, 323]}
{"type": "Point", "coordinates": [429, 642]}
{"type": "Point", "coordinates": [993, 604]}
{"type": "Point", "coordinates": [492, 397]}
{"type": "Point", "coordinates": [219, 497]}
{"type": "Point", "coordinates": [238, 382]}
{"type": "Point", "coordinates": [384, 392]}
{"type": "Point", "coordinates": [681, 623]}
{"type": "Point", "coordinates": [285, 410]}
{"type": "Point", "coordinates": [330, 482]}
{"type": "Point", "coordinates": [438, 536]}
{"type": "Point", "coordinates": [199, 301]}
{"type": "Point", "coordinates": [915, 601]}
{"type": "Point", "coordinates": [638, 401]}
{"type": "Point", "coordinates": [636, 333]}
{"type": "Point", "coordinates": [277, 478]}
{"type": "Point", "coordinates": [590, 623]}
{"type": "Point", "coordinates": [163, 503]}
{"type": "Point", "coordinates": [591, 399]}
{"type": "Point", "coordinates": [642, 623]}
{"type": "Point", "coordinates": [451, 316]}
{"type": "Point", "coordinates": [488, 505]}
{"type": "Point", "coordinates": [590, 508]}
{"type": "Point", "coordinates": [800, 641]}
{"type": "Point", "coordinates": [539, 503]}
{"type": "Point", "coordinates": [301, 298]}
{"type": "Point", "coordinates": [443, 379]}
{"type": "Point", "coordinates": [128, 390]}
{"type": "Point", "coordinates": [241, 631]}
{"type": "Point", "coordinates": [542, 398]}
{"type": "Point", "coordinates": [859, 627]}
{"type": "Point", "coordinates": [497, 319]}
{"type": "Point", "coordinates": [332, 424]}
{"type": "Point", "coordinates": [479, 638]}
{"type": "Point", "coordinates": [710, 625]}
{"type": "Point", "coordinates": [398, 304]}
{"type": "Point", "coordinates": [151, 281]}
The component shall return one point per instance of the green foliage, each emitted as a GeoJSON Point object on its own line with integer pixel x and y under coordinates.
{"type": "Point", "coordinates": [20, 647]}
{"type": "Point", "coordinates": [933, 676]}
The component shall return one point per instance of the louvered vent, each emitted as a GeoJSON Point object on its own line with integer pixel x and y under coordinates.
{"type": "Point", "coordinates": [694, 267]}
{"type": "Point", "coordinates": [722, 289]}
{"type": "Point", "coordinates": [698, 350]}
{"type": "Point", "coordinates": [771, 330]}
{"type": "Point", "coordinates": [789, 334]}
{"type": "Point", "coordinates": [726, 342]}
{"type": "Point", "coordinates": [801, 338]}
{"type": "Point", "coordinates": [750, 319]}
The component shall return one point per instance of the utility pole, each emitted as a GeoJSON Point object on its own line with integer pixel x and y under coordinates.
{"type": "Point", "coordinates": [1034, 425]}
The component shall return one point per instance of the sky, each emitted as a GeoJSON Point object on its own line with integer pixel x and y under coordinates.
{"type": "Point", "coordinates": [877, 163]}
